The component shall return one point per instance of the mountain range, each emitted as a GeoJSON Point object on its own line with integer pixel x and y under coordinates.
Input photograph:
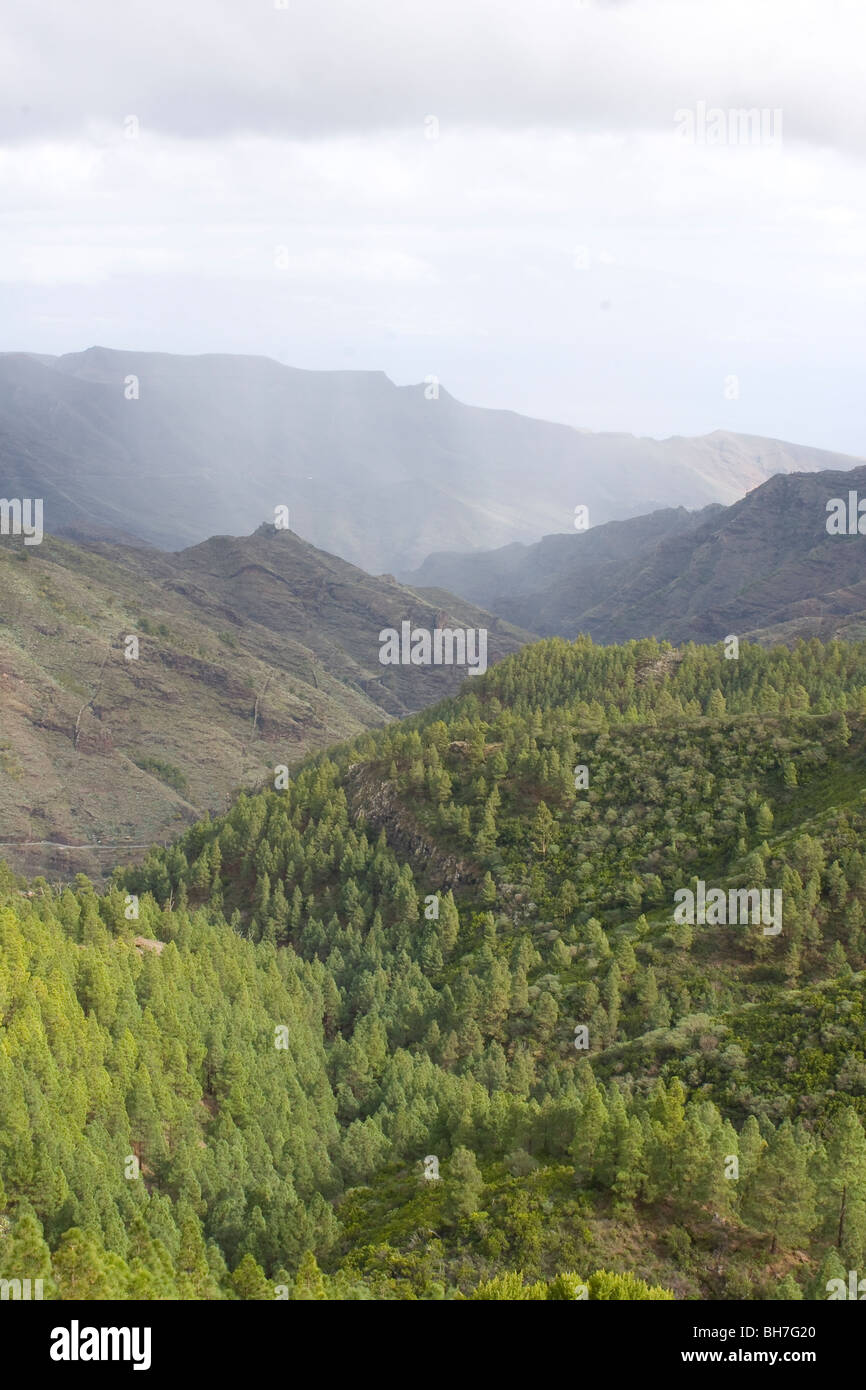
{"type": "Point", "coordinates": [401, 918]}
{"type": "Point", "coordinates": [257, 651]}
{"type": "Point", "coordinates": [766, 567]}
{"type": "Point", "coordinates": [174, 449]}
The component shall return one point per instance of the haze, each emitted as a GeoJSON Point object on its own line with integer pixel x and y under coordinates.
{"type": "Point", "coordinates": [558, 250]}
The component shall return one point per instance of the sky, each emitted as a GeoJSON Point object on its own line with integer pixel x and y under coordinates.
{"type": "Point", "coordinates": [521, 200]}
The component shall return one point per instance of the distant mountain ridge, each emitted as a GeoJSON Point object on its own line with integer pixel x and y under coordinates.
{"type": "Point", "coordinates": [765, 566]}
{"type": "Point", "coordinates": [175, 449]}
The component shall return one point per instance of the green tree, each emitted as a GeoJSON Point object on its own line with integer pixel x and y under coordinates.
{"type": "Point", "coordinates": [249, 1281]}
{"type": "Point", "coordinates": [543, 830]}
{"type": "Point", "coordinates": [780, 1195]}
{"type": "Point", "coordinates": [463, 1185]}
{"type": "Point", "coordinates": [846, 1184]}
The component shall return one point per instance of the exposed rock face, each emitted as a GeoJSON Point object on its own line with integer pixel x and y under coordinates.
{"type": "Point", "coordinates": [146, 943]}
{"type": "Point", "coordinates": [374, 800]}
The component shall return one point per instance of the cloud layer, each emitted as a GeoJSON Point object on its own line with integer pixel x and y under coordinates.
{"type": "Point", "coordinates": [556, 246]}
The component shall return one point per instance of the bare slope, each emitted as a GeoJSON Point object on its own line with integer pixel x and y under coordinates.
{"type": "Point", "coordinates": [252, 652]}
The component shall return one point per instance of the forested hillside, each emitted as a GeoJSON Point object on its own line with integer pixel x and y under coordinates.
{"type": "Point", "coordinates": [422, 1025]}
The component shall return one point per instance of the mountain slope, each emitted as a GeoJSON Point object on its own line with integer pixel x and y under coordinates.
{"type": "Point", "coordinates": [377, 473]}
{"type": "Point", "coordinates": [558, 574]}
{"type": "Point", "coordinates": [424, 1024]}
{"type": "Point", "coordinates": [764, 566]}
{"type": "Point", "coordinates": [252, 653]}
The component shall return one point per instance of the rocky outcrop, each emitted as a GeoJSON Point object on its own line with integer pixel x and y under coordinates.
{"type": "Point", "coordinates": [373, 799]}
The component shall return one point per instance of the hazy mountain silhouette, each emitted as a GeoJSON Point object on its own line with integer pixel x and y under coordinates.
{"type": "Point", "coordinates": [377, 473]}
{"type": "Point", "coordinates": [765, 565]}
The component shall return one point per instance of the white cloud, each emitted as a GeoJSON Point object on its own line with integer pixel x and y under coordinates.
{"type": "Point", "coordinates": [304, 128]}
{"type": "Point", "coordinates": [212, 67]}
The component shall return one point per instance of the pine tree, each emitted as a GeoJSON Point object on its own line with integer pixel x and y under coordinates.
{"type": "Point", "coordinates": [780, 1194]}
{"type": "Point", "coordinates": [249, 1281]}
{"type": "Point", "coordinates": [543, 828]}
{"type": "Point", "coordinates": [24, 1254]}
{"type": "Point", "coordinates": [590, 1126]}
{"type": "Point", "coordinates": [846, 1185]}
{"type": "Point", "coordinates": [463, 1185]}
{"type": "Point", "coordinates": [309, 1283]}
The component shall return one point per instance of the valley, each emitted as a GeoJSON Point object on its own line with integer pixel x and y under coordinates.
{"type": "Point", "coordinates": [767, 567]}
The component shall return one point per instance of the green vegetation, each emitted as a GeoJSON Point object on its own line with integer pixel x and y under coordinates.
{"type": "Point", "coordinates": [166, 772]}
{"type": "Point", "coordinates": [351, 1070]}
{"type": "Point", "coordinates": [152, 629]}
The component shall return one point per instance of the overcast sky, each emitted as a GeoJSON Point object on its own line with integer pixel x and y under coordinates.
{"type": "Point", "coordinates": [562, 248]}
